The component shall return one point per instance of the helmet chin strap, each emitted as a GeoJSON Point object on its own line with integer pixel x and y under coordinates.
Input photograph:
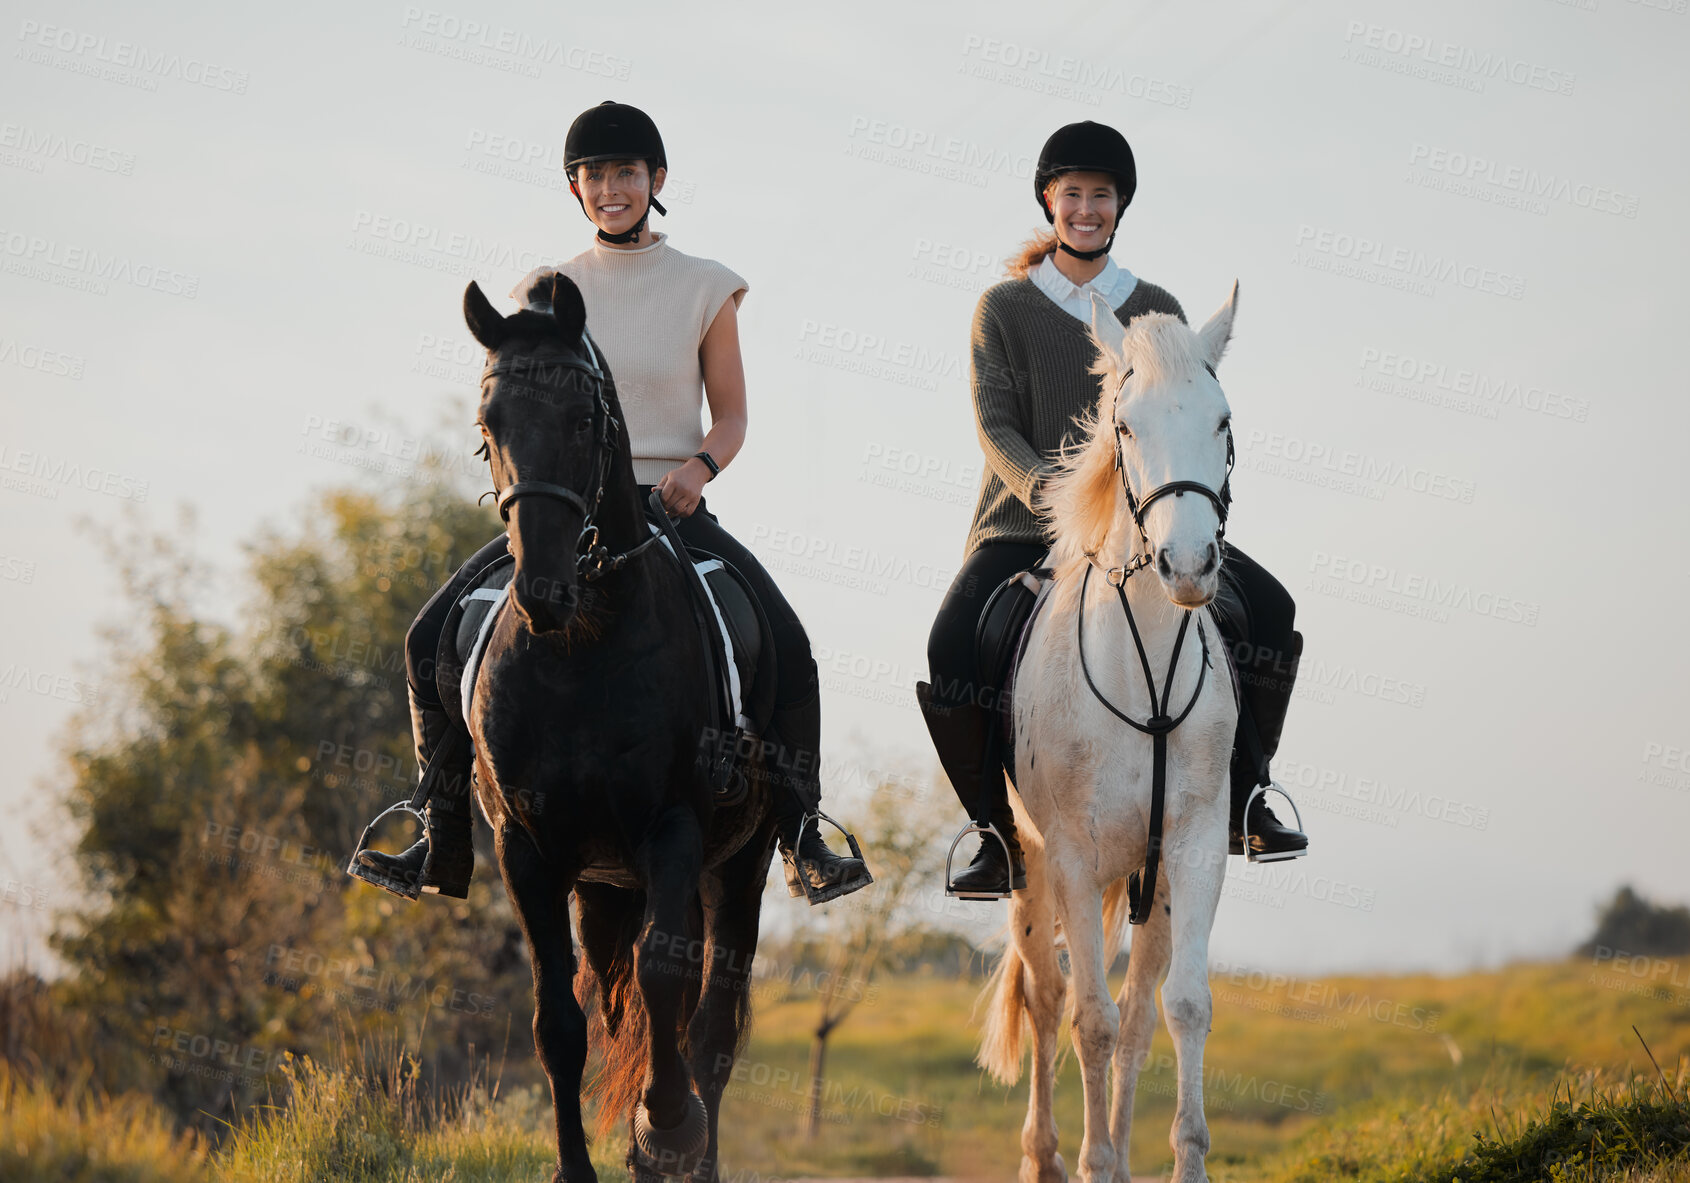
{"type": "Point", "coordinates": [632, 234]}
{"type": "Point", "coordinates": [1088, 256]}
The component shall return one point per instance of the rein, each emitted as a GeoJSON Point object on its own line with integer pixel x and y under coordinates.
{"type": "Point", "coordinates": [593, 561]}
{"type": "Point", "coordinates": [1141, 888]}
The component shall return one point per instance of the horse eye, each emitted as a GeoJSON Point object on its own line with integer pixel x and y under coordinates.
{"type": "Point", "coordinates": [1123, 429]}
{"type": "Point", "coordinates": [1226, 425]}
{"type": "Point", "coordinates": [583, 425]}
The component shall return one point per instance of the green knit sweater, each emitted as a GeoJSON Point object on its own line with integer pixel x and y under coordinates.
{"type": "Point", "coordinates": [1031, 379]}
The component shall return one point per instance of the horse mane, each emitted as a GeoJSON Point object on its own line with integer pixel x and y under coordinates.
{"type": "Point", "coordinates": [1081, 505]}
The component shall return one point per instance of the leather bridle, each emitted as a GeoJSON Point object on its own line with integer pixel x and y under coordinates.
{"type": "Point", "coordinates": [1141, 885]}
{"type": "Point", "coordinates": [593, 560]}
{"type": "Point", "coordinates": [1138, 506]}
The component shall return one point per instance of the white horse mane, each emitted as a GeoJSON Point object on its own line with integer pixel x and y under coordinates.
{"type": "Point", "coordinates": [1081, 505]}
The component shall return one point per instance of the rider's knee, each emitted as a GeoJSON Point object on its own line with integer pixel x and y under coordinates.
{"type": "Point", "coordinates": [794, 661]}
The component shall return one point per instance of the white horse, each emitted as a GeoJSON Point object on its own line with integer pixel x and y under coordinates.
{"type": "Point", "coordinates": [1118, 510]}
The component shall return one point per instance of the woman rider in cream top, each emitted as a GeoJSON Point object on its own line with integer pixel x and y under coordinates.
{"type": "Point", "coordinates": [666, 322]}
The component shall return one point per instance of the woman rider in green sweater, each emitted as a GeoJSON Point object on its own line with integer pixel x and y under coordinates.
{"type": "Point", "coordinates": [1031, 379]}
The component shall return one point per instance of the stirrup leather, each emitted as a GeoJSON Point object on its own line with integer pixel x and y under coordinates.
{"type": "Point", "coordinates": [1279, 856]}
{"type": "Point", "coordinates": [1008, 861]}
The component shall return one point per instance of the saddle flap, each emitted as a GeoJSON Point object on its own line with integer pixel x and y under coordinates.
{"type": "Point", "coordinates": [751, 640]}
{"type": "Point", "coordinates": [999, 639]}
{"type": "Point", "coordinates": [464, 633]}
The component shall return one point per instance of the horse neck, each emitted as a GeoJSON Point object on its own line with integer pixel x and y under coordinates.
{"type": "Point", "coordinates": [621, 517]}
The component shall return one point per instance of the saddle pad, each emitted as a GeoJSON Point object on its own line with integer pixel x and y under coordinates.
{"type": "Point", "coordinates": [1036, 585]}
{"type": "Point", "coordinates": [493, 599]}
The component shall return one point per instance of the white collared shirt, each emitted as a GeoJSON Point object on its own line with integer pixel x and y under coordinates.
{"type": "Point", "coordinates": [1113, 283]}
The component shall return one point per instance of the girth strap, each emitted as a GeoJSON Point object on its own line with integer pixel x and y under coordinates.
{"type": "Point", "coordinates": [1141, 888]}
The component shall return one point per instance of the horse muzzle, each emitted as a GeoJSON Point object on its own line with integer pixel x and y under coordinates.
{"type": "Point", "coordinates": [546, 604]}
{"type": "Point", "coordinates": [1190, 575]}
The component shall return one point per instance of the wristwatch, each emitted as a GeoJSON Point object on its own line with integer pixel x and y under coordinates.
{"type": "Point", "coordinates": [709, 462]}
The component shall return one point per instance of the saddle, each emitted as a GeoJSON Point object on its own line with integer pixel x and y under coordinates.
{"type": "Point", "coordinates": [736, 634]}
{"type": "Point", "coordinates": [1000, 639]}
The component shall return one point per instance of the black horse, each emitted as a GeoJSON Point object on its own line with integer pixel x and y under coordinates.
{"type": "Point", "coordinates": [588, 716]}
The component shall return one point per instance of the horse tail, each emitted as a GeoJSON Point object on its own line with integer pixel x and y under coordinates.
{"type": "Point", "coordinates": [626, 1026]}
{"type": "Point", "coordinates": [1115, 911]}
{"type": "Point", "coordinates": [610, 926]}
{"type": "Point", "coordinates": [1006, 1014]}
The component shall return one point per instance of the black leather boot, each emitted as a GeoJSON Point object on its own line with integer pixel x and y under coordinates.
{"type": "Point", "coordinates": [961, 734]}
{"type": "Point", "coordinates": [442, 862]}
{"type": "Point", "coordinates": [792, 764]}
{"type": "Point", "coordinates": [1266, 682]}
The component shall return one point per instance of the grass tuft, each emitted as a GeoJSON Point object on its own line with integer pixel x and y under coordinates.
{"type": "Point", "coordinates": [90, 1139]}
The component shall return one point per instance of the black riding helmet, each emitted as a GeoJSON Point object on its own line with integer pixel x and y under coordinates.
{"type": "Point", "coordinates": [614, 131]}
{"type": "Point", "coordinates": [1087, 147]}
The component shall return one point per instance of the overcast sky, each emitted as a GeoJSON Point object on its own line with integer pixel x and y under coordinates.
{"type": "Point", "coordinates": [1457, 371]}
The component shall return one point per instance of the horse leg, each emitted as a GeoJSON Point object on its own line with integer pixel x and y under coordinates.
{"type": "Point", "coordinates": [1147, 961]}
{"type": "Point", "coordinates": [541, 899]}
{"type": "Point", "coordinates": [1033, 929]}
{"type": "Point", "coordinates": [1194, 892]}
{"type": "Point", "coordinates": [733, 901]}
{"type": "Point", "coordinates": [669, 1131]}
{"type": "Point", "coordinates": [1079, 901]}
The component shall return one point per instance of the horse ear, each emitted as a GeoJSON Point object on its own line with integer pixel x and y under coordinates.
{"type": "Point", "coordinates": [1107, 331]}
{"type": "Point", "coordinates": [1218, 331]}
{"type": "Point", "coordinates": [485, 323]}
{"type": "Point", "coordinates": [569, 308]}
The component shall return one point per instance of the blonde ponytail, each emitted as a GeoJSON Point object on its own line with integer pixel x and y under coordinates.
{"type": "Point", "coordinates": [1030, 255]}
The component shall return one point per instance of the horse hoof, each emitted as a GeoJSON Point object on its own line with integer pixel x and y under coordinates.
{"type": "Point", "coordinates": [671, 1151]}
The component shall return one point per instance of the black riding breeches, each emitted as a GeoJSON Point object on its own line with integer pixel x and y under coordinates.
{"type": "Point", "coordinates": [950, 646]}
{"type": "Point", "coordinates": [795, 668]}
{"type": "Point", "coordinates": [1257, 619]}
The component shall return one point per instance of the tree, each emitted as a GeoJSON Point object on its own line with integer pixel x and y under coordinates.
{"type": "Point", "coordinates": [216, 797]}
{"type": "Point", "coordinates": [903, 861]}
{"type": "Point", "coordinates": [1639, 927]}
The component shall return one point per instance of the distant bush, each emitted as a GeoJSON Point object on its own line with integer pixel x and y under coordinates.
{"type": "Point", "coordinates": [1639, 927]}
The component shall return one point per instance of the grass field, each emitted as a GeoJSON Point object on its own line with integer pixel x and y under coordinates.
{"type": "Point", "coordinates": [1366, 1078]}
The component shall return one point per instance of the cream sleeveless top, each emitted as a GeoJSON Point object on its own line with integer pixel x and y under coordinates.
{"type": "Point", "coordinates": [648, 310]}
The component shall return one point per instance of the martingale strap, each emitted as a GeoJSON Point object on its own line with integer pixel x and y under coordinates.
{"type": "Point", "coordinates": [1141, 888]}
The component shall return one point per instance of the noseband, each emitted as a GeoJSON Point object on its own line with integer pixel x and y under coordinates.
{"type": "Point", "coordinates": [1138, 506]}
{"type": "Point", "coordinates": [592, 559]}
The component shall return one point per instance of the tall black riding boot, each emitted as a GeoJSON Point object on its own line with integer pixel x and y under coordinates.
{"type": "Point", "coordinates": [793, 765]}
{"type": "Point", "coordinates": [1266, 679]}
{"type": "Point", "coordinates": [442, 862]}
{"type": "Point", "coordinates": [961, 734]}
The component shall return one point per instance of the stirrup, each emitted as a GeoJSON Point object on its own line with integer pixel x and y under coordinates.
{"type": "Point", "coordinates": [799, 885]}
{"type": "Point", "coordinates": [1280, 856]}
{"type": "Point", "coordinates": [1008, 862]}
{"type": "Point", "coordinates": [369, 874]}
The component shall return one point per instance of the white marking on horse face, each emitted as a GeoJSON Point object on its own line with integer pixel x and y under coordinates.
{"type": "Point", "coordinates": [1178, 434]}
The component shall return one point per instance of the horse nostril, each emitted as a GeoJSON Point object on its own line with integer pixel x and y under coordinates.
{"type": "Point", "coordinates": [1211, 558]}
{"type": "Point", "coordinates": [1164, 567]}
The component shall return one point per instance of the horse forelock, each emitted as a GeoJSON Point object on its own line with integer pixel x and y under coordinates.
{"type": "Point", "coordinates": [1159, 348]}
